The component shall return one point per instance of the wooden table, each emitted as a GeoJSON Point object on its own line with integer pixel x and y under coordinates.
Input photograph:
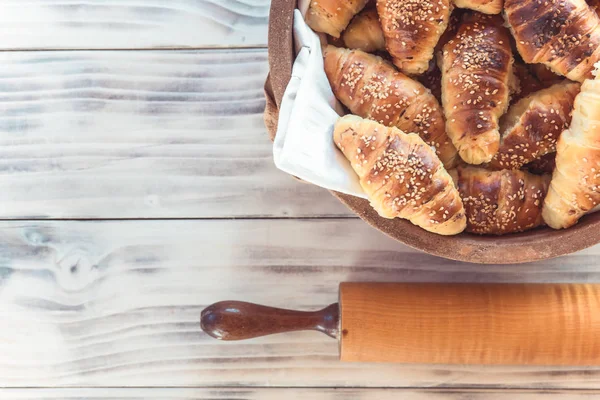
{"type": "Point", "coordinates": [137, 186]}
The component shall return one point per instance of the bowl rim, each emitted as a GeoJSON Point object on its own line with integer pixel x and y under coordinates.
{"type": "Point", "coordinates": [536, 245]}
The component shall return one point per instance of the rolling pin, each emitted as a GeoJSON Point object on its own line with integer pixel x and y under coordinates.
{"type": "Point", "coordinates": [502, 324]}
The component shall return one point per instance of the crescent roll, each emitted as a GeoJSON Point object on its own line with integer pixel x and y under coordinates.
{"type": "Point", "coordinates": [332, 16]}
{"type": "Point", "coordinates": [501, 202]}
{"type": "Point", "coordinates": [477, 78]}
{"type": "Point", "coordinates": [563, 35]}
{"type": "Point", "coordinates": [412, 29]}
{"type": "Point", "coordinates": [533, 125]}
{"type": "Point", "coordinates": [364, 32]}
{"type": "Point", "coordinates": [401, 175]}
{"type": "Point", "coordinates": [483, 6]}
{"type": "Point", "coordinates": [575, 186]}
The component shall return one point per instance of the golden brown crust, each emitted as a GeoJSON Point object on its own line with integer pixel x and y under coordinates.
{"type": "Point", "coordinates": [332, 16]}
{"type": "Point", "coordinates": [501, 202]}
{"type": "Point", "coordinates": [533, 125]}
{"type": "Point", "coordinates": [476, 82]}
{"type": "Point", "coordinates": [575, 187]}
{"type": "Point", "coordinates": [372, 88]}
{"type": "Point", "coordinates": [401, 175]}
{"type": "Point", "coordinates": [364, 32]}
{"type": "Point", "coordinates": [483, 6]}
{"type": "Point", "coordinates": [561, 34]}
{"type": "Point", "coordinates": [412, 29]}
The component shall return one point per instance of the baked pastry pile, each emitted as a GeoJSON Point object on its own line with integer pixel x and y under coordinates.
{"type": "Point", "coordinates": [473, 115]}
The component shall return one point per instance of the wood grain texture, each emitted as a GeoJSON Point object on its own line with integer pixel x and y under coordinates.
{"type": "Point", "coordinates": [147, 134]}
{"type": "Point", "coordinates": [127, 24]}
{"type": "Point", "coordinates": [287, 394]}
{"type": "Point", "coordinates": [483, 324]}
{"type": "Point", "coordinates": [118, 303]}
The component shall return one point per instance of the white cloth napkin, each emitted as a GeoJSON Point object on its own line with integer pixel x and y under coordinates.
{"type": "Point", "coordinates": [304, 144]}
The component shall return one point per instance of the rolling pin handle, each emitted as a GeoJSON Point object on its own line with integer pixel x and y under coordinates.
{"type": "Point", "coordinates": [236, 320]}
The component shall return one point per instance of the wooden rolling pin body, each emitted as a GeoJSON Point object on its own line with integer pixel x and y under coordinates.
{"type": "Point", "coordinates": [471, 324]}
{"type": "Point", "coordinates": [506, 324]}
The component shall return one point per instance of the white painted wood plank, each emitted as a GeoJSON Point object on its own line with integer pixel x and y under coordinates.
{"type": "Point", "coordinates": [288, 394]}
{"type": "Point", "coordinates": [127, 24]}
{"type": "Point", "coordinates": [146, 134]}
{"type": "Point", "coordinates": [118, 303]}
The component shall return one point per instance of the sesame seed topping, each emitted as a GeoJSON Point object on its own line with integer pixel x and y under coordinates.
{"type": "Point", "coordinates": [487, 214]}
{"type": "Point", "coordinates": [385, 96]}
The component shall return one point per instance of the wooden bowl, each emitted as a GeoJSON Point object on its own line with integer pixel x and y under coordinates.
{"type": "Point", "coordinates": [535, 245]}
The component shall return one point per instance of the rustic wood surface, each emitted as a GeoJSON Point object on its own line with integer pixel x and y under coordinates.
{"type": "Point", "coordinates": [117, 303]}
{"type": "Point", "coordinates": [129, 24]}
{"type": "Point", "coordinates": [137, 187]}
{"type": "Point", "coordinates": [142, 134]}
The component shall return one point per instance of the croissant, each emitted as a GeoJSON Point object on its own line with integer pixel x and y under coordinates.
{"type": "Point", "coordinates": [332, 16]}
{"type": "Point", "coordinates": [477, 77]}
{"type": "Point", "coordinates": [401, 175]}
{"type": "Point", "coordinates": [372, 88]}
{"type": "Point", "coordinates": [500, 202]}
{"type": "Point", "coordinates": [412, 29]}
{"type": "Point", "coordinates": [533, 125]}
{"type": "Point", "coordinates": [563, 35]}
{"type": "Point", "coordinates": [364, 32]}
{"type": "Point", "coordinates": [575, 186]}
{"type": "Point", "coordinates": [483, 6]}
